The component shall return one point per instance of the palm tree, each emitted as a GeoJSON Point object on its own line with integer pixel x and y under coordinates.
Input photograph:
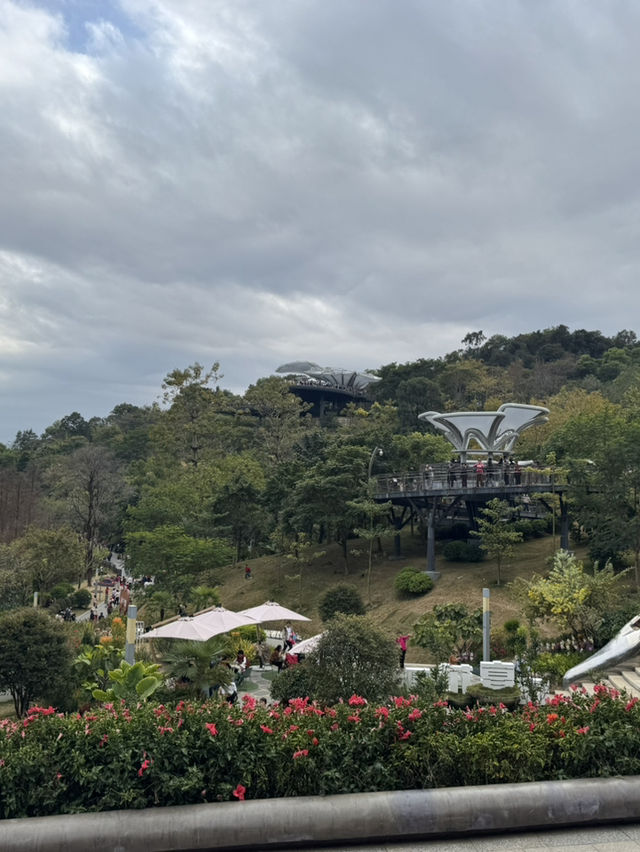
{"type": "Point", "coordinates": [200, 664]}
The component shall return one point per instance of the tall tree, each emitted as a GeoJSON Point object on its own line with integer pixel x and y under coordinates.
{"type": "Point", "coordinates": [497, 536]}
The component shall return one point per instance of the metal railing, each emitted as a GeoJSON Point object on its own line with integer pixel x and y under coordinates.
{"type": "Point", "coordinates": [440, 477]}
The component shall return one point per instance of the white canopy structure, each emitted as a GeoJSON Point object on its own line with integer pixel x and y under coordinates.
{"type": "Point", "coordinates": [494, 431]}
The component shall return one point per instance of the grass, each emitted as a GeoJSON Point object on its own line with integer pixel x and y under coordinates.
{"type": "Point", "coordinates": [459, 582]}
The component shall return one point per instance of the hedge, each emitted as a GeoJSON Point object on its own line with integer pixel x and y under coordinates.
{"type": "Point", "coordinates": [158, 755]}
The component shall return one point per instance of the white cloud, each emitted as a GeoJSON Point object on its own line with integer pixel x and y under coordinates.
{"type": "Point", "coordinates": [346, 182]}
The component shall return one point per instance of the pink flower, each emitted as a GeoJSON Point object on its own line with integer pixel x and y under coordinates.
{"type": "Point", "coordinates": [357, 701]}
{"type": "Point", "coordinates": [104, 740]}
{"type": "Point", "coordinates": [303, 752]}
{"type": "Point", "coordinates": [314, 741]}
{"type": "Point", "coordinates": [266, 729]}
{"type": "Point", "coordinates": [354, 719]}
{"type": "Point", "coordinates": [211, 728]}
{"type": "Point", "coordinates": [239, 792]}
{"type": "Point", "coordinates": [415, 714]}
{"type": "Point", "coordinates": [584, 730]}
{"type": "Point", "coordinates": [335, 726]}
{"type": "Point", "coordinates": [405, 736]}
{"type": "Point", "coordinates": [145, 765]}
{"type": "Point", "coordinates": [631, 704]}
{"type": "Point", "coordinates": [382, 712]}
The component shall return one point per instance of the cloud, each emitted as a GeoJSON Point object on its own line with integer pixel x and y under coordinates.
{"type": "Point", "coordinates": [257, 182]}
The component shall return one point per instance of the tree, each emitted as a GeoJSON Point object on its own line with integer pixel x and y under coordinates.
{"type": "Point", "coordinates": [174, 558]}
{"type": "Point", "coordinates": [353, 657]}
{"type": "Point", "coordinates": [50, 556]}
{"type": "Point", "coordinates": [35, 657]}
{"type": "Point", "coordinates": [450, 630]}
{"type": "Point", "coordinates": [280, 417]}
{"type": "Point", "coordinates": [497, 537]}
{"type": "Point", "coordinates": [198, 665]}
{"type": "Point", "coordinates": [191, 401]}
{"type": "Point", "coordinates": [574, 600]}
{"type": "Point", "coordinates": [90, 488]}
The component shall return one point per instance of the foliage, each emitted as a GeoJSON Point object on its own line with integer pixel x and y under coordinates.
{"type": "Point", "coordinates": [94, 663]}
{"type": "Point", "coordinates": [340, 598]}
{"type": "Point", "coordinates": [131, 683]}
{"type": "Point", "coordinates": [81, 599]}
{"type": "Point", "coordinates": [196, 666]}
{"type": "Point", "coordinates": [573, 599]}
{"type": "Point", "coordinates": [412, 581]}
{"type": "Point", "coordinates": [50, 556]}
{"type": "Point", "coordinates": [353, 655]}
{"type": "Point", "coordinates": [462, 551]}
{"type": "Point", "coordinates": [35, 656]}
{"type": "Point", "coordinates": [497, 537]}
{"type": "Point", "coordinates": [432, 685]}
{"type": "Point", "coordinates": [158, 755]}
{"type": "Point", "coordinates": [293, 682]}
{"type": "Point", "coordinates": [480, 694]}
{"type": "Point", "coordinates": [554, 666]}
{"type": "Point", "coordinates": [449, 630]}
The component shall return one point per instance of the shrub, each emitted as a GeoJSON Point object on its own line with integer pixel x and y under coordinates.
{"type": "Point", "coordinates": [413, 582]}
{"type": "Point", "coordinates": [341, 598]}
{"type": "Point", "coordinates": [554, 665]}
{"type": "Point", "coordinates": [81, 599]}
{"type": "Point", "coordinates": [353, 656]}
{"type": "Point", "coordinates": [250, 632]}
{"type": "Point", "coordinates": [294, 682]}
{"type": "Point", "coordinates": [462, 551]}
{"type": "Point", "coordinates": [484, 695]}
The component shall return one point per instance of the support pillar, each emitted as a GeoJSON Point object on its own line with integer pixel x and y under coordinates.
{"type": "Point", "coordinates": [564, 525]}
{"type": "Point", "coordinates": [130, 646]}
{"type": "Point", "coordinates": [486, 625]}
{"type": "Point", "coordinates": [431, 539]}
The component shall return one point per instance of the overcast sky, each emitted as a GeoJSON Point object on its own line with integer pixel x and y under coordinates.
{"type": "Point", "coordinates": [350, 182]}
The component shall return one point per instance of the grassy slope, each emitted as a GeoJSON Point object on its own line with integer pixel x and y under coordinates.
{"type": "Point", "coordinates": [272, 579]}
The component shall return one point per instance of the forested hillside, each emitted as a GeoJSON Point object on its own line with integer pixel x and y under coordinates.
{"type": "Point", "coordinates": [208, 477]}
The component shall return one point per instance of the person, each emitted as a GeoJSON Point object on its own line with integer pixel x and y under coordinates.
{"type": "Point", "coordinates": [480, 474]}
{"type": "Point", "coordinates": [263, 653]}
{"type": "Point", "coordinates": [288, 636]}
{"type": "Point", "coordinates": [428, 476]}
{"type": "Point", "coordinates": [247, 572]}
{"type": "Point", "coordinates": [451, 474]}
{"type": "Point", "coordinates": [276, 658]}
{"type": "Point", "coordinates": [491, 472]}
{"type": "Point", "coordinates": [402, 642]}
{"type": "Point", "coordinates": [263, 703]}
{"type": "Point", "coordinates": [517, 473]}
{"type": "Point", "coordinates": [229, 692]}
{"type": "Point", "coordinates": [463, 473]}
{"type": "Point", "coordinates": [240, 664]}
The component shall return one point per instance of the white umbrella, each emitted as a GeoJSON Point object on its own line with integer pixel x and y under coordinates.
{"type": "Point", "coordinates": [221, 620]}
{"type": "Point", "coordinates": [307, 645]}
{"type": "Point", "coordinates": [183, 628]}
{"type": "Point", "coordinates": [272, 611]}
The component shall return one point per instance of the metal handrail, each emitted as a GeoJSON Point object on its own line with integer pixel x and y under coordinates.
{"type": "Point", "coordinates": [437, 478]}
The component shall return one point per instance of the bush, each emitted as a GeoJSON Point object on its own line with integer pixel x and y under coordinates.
{"type": "Point", "coordinates": [413, 582]}
{"type": "Point", "coordinates": [249, 632]}
{"type": "Point", "coordinates": [294, 682]}
{"type": "Point", "coordinates": [341, 598]}
{"type": "Point", "coordinates": [462, 551]}
{"type": "Point", "coordinates": [81, 599]}
{"type": "Point", "coordinates": [554, 665]}
{"type": "Point", "coordinates": [353, 656]}
{"type": "Point", "coordinates": [484, 695]}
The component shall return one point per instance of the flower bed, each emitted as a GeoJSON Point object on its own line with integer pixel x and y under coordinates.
{"type": "Point", "coordinates": [116, 757]}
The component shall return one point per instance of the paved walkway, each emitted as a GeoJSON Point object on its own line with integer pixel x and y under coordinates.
{"type": "Point", "coordinates": [258, 683]}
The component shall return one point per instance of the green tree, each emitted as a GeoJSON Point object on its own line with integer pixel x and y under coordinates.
{"type": "Point", "coordinates": [574, 600]}
{"type": "Point", "coordinates": [280, 419]}
{"type": "Point", "coordinates": [195, 666]}
{"type": "Point", "coordinates": [35, 657]}
{"type": "Point", "coordinates": [449, 630]}
{"type": "Point", "coordinates": [353, 657]}
{"type": "Point", "coordinates": [50, 556]}
{"type": "Point", "coordinates": [191, 403]}
{"type": "Point", "coordinates": [497, 536]}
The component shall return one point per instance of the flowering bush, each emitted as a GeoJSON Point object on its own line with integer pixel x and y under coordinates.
{"type": "Point", "coordinates": [120, 757]}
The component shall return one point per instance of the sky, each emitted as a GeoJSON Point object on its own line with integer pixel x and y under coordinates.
{"type": "Point", "coordinates": [258, 181]}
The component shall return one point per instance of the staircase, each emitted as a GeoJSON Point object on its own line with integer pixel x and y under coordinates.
{"type": "Point", "coordinates": [625, 677]}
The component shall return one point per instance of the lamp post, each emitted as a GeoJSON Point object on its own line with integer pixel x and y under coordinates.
{"type": "Point", "coordinates": [377, 451]}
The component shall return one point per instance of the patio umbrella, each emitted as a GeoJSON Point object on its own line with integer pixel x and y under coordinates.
{"type": "Point", "coordinates": [221, 620]}
{"type": "Point", "coordinates": [183, 628]}
{"type": "Point", "coordinates": [307, 645]}
{"type": "Point", "coordinates": [272, 611]}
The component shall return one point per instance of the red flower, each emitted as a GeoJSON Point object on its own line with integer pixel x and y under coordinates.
{"type": "Point", "coordinates": [357, 701]}
{"type": "Point", "coordinates": [631, 704]}
{"type": "Point", "coordinates": [415, 714]}
{"type": "Point", "coordinates": [584, 730]}
{"type": "Point", "coordinates": [382, 711]}
{"type": "Point", "coordinates": [145, 765]}
{"type": "Point", "coordinates": [405, 736]}
{"type": "Point", "coordinates": [354, 719]}
{"type": "Point", "coordinates": [266, 729]}
{"type": "Point", "coordinates": [552, 717]}
{"type": "Point", "coordinates": [239, 792]}
{"type": "Point", "coordinates": [314, 741]}
{"type": "Point", "coordinates": [302, 753]}
{"type": "Point", "coordinates": [335, 726]}
{"type": "Point", "coordinates": [211, 728]}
